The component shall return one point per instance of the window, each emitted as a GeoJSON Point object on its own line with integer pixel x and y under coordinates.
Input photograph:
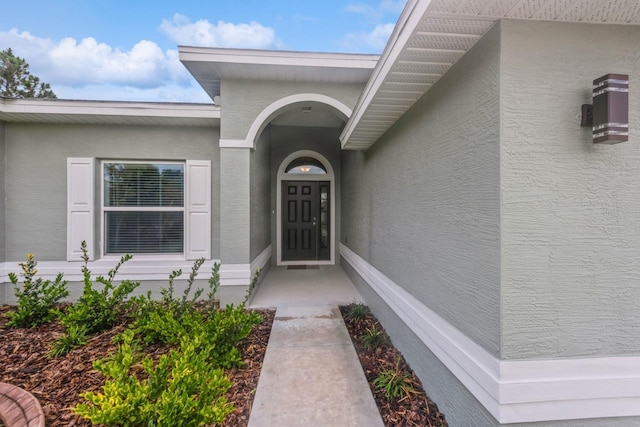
{"type": "Point", "coordinates": [306, 165]}
{"type": "Point", "coordinates": [143, 207]}
{"type": "Point", "coordinates": [146, 207]}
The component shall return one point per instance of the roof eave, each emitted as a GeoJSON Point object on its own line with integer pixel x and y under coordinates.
{"type": "Point", "coordinates": [108, 112]}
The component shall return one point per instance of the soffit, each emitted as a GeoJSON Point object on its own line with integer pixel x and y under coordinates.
{"type": "Point", "coordinates": [432, 35]}
{"type": "Point", "coordinates": [108, 112]}
{"type": "Point", "coordinates": [210, 65]}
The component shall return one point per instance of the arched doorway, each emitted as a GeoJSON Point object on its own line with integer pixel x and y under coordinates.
{"type": "Point", "coordinates": [305, 220]}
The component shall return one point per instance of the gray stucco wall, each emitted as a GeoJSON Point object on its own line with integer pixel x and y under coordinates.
{"type": "Point", "coordinates": [288, 139]}
{"type": "Point", "coordinates": [422, 205]}
{"type": "Point", "coordinates": [36, 156]}
{"type": "Point", "coordinates": [261, 195]}
{"type": "Point", "coordinates": [570, 217]}
{"type": "Point", "coordinates": [244, 100]}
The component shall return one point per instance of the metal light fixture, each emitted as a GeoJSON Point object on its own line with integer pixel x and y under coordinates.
{"type": "Point", "coordinates": [611, 109]}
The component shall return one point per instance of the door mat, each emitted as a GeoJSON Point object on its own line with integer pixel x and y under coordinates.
{"type": "Point", "coordinates": [303, 267]}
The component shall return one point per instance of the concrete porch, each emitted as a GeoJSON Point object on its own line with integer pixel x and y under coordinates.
{"type": "Point", "coordinates": [325, 285]}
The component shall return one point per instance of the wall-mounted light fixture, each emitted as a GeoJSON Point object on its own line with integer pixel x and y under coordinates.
{"type": "Point", "coordinates": [611, 109]}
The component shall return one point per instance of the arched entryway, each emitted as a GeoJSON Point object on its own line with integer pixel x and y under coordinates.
{"type": "Point", "coordinates": [306, 210]}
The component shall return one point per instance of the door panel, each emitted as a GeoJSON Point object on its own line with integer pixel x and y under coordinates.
{"type": "Point", "coordinates": [301, 221]}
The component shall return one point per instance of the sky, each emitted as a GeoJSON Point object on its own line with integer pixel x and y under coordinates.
{"type": "Point", "coordinates": [127, 50]}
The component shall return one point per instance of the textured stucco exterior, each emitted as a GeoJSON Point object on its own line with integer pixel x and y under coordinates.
{"type": "Point", "coordinates": [570, 217]}
{"type": "Point", "coordinates": [288, 139]}
{"type": "Point", "coordinates": [235, 235]}
{"type": "Point", "coordinates": [244, 100]}
{"type": "Point", "coordinates": [422, 205]}
{"type": "Point", "coordinates": [260, 195]}
{"type": "Point", "coordinates": [36, 170]}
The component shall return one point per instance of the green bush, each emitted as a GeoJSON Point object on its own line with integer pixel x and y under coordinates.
{"type": "Point", "coordinates": [374, 338]}
{"type": "Point", "coordinates": [357, 311]}
{"type": "Point", "coordinates": [99, 310]}
{"type": "Point", "coordinates": [395, 382]}
{"type": "Point", "coordinates": [76, 336]}
{"type": "Point", "coordinates": [37, 298]}
{"type": "Point", "coordinates": [183, 388]}
{"type": "Point", "coordinates": [220, 331]}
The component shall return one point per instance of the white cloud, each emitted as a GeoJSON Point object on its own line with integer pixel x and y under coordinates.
{"type": "Point", "coordinates": [223, 34]}
{"type": "Point", "coordinates": [373, 41]}
{"type": "Point", "coordinates": [376, 13]}
{"type": "Point", "coordinates": [393, 6]}
{"type": "Point", "coordinates": [92, 70]}
{"type": "Point", "coordinates": [366, 10]}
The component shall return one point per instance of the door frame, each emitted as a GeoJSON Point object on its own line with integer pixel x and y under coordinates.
{"type": "Point", "coordinates": [330, 176]}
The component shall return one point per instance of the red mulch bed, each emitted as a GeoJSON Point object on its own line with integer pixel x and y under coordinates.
{"type": "Point", "coordinates": [57, 383]}
{"type": "Point", "coordinates": [416, 410]}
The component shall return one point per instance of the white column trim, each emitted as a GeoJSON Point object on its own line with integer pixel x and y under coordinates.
{"type": "Point", "coordinates": [235, 143]}
{"type": "Point", "coordinates": [514, 390]}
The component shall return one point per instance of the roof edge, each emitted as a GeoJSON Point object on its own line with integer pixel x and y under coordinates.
{"type": "Point", "coordinates": [407, 23]}
{"type": "Point", "coordinates": [276, 57]}
{"type": "Point", "coordinates": [108, 108]}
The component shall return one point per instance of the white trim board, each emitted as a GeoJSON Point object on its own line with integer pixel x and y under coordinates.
{"type": "Point", "coordinates": [514, 390]}
{"type": "Point", "coordinates": [135, 269]}
{"type": "Point", "coordinates": [242, 274]}
{"type": "Point", "coordinates": [142, 269]}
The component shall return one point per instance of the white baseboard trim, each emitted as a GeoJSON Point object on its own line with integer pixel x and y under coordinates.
{"type": "Point", "coordinates": [135, 269]}
{"type": "Point", "coordinates": [241, 274]}
{"type": "Point", "coordinates": [261, 260]}
{"type": "Point", "coordinates": [514, 390]}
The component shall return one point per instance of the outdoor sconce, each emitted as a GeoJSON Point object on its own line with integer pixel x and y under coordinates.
{"type": "Point", "coordinates": [609, 115]}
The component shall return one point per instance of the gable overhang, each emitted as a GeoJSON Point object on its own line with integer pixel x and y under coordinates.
{"type": "Point", "coordinates": [19, 110]}
{"type": "Point", "coordinates": [432, 35]}
{"type": "Point", "coordinates": [210, 65]}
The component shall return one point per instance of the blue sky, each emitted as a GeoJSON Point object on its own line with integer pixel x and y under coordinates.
{"type": "Point", "coordinates": [127, 50]}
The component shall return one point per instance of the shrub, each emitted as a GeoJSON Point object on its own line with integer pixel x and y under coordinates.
{"type": "Point", "coordinates": [99, 310]}
{"type": "Point", "coordinates": [181, 389]}
{"type": "Point", "coordinates": [179, 306]}
{"type": "Point", "coordinates": [357, 311]}
{"type": "Point", "coordinates": [395, 382]}
{"type": "Point", "coordinates": [374, 338]}
{"type": "Point", "coordinates": [37, 298]}
{"type": "Point", "coordinates": [220, 332]}
{"type": "Point", "coordinates": [76, 336]}
{"type": "Point", "coordinates": [214, 284]}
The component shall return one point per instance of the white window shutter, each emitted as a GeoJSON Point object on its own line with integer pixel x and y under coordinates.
{"type": "Point", "coordinates": [80, 210]}
{"type": "Point", "coordinates": [198, 209]}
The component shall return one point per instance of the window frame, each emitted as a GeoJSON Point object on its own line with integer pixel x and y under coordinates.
{"type": "Point", "coordinates": [104, 209]}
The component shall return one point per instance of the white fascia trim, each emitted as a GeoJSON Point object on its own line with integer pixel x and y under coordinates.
{"type": "Point", "coordinates": [515, 390]}
{"type": "Point", "coordinates": [109, 108]}
{"type": "Point", "coordinates": [276, 57]}
{"type": "Point", "coordinates": [135, 269]}
{"type": "Point", "coordinates": [403, 31]}
{"type": "Point", "coordinates": [236, 143]}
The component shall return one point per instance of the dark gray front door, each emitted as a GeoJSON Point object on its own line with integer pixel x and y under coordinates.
{"type": "Point", "coordinates": [303, 221]}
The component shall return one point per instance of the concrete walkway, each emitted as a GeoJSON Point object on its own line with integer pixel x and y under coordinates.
{"type": "Point", "coordinates": [311, 375]}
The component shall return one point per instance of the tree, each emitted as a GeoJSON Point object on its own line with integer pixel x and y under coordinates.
{"type": "Point", "coordinates": [17, 82]}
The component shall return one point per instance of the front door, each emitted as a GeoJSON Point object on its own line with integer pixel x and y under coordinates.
{"type": "Point", "coordinates": [305, 220]}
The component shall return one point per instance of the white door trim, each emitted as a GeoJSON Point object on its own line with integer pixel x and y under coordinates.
{"type": "Point", "coordinates": [282, 176]}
